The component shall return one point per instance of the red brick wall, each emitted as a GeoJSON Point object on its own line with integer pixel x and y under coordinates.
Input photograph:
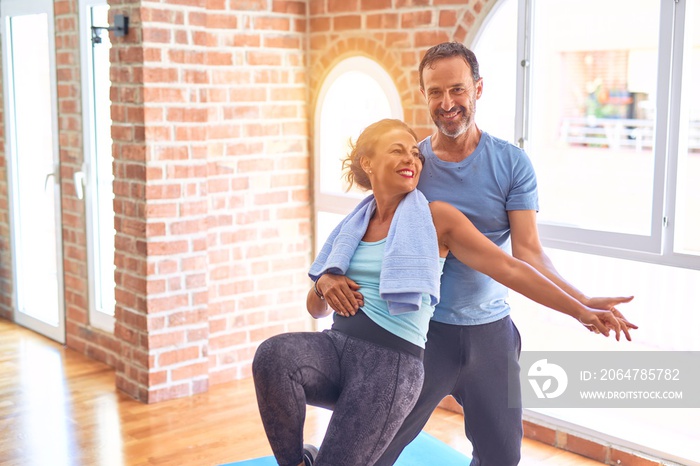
{"type": "Point", "coordinates": [260, 235]}
{"type": "Point", "coordinates": [395, 34]}
{"type": "Point", "coordinates": [213, 214]}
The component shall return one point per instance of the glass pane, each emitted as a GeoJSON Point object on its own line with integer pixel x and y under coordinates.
{"type": "Point", "coordinates": [594, 69]}
{"type": "Point", "coordinates": [688, 189]}
{"type": "Point", "coordinates": [35, 220]}
{"type": "Point", "coordinates": [496, 51]}
{"type": "Point", "coordinates": [102, 190]}
{"type": "Point", "coordinates": [353, 101]}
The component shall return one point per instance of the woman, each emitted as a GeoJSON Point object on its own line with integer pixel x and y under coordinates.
{"type": "Point", "coordinates": [368, 366]}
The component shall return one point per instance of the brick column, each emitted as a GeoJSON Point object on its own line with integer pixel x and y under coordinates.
{"type": "Point", "coordinates": [211, 191]}
{"type": "Point", "coordinates": [130, 165]}
{"type": "Point", "coordinates": [159, 129]}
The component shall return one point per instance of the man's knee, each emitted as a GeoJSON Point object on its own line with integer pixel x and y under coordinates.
{"type": "Point", "coordinates": [498, 450]}
{"type": "Point", "coordinates": [508, 457]}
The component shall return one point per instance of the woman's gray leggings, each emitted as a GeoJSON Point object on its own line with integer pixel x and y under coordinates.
{"type": "Point", "coordinates": [370, 388]}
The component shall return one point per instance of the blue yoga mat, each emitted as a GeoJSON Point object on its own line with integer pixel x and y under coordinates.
{"type": "Point", "coordinates": [425, 450]}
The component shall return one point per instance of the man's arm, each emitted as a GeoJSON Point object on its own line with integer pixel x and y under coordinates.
{"type": "Point", "coordinates": [526, 245]}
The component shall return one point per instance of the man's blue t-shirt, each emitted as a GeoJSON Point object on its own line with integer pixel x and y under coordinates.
{"type": "Point", "coordinates": [495, 178]}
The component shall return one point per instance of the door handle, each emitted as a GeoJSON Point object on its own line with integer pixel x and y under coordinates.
{"type": "Point", "coordinates": [46, 180]}
{"type": "Point", "coordinates": [79, 182]}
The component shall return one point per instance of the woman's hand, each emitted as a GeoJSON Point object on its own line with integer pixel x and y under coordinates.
{"type": "Point", "coordinates": [340, 293]}
{"type": "Point", "coordinates": [609, 303]}
{"type": "Point", "coordinates": [602, 321]}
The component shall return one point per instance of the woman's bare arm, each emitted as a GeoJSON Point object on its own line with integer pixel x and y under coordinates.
{"type": "Point", "coordinates": [316, 305]}
{"type": "Point", "coordinates": [471, 247]}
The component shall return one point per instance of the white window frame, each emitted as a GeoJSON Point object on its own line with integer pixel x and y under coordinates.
{"type": "Point", "coordinates": [98, 317]}
{"type": "Point", "coordinates": [658, 247]}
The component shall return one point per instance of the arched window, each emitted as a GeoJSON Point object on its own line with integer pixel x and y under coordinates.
{"type": "Point", "coordinates": [356, 93]}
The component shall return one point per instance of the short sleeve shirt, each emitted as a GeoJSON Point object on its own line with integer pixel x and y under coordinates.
{"type": "Point", "coordinates": [496, 178]}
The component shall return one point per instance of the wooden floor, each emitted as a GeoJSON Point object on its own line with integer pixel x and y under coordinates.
{"type": "Point", "coordinates": [58, 407]}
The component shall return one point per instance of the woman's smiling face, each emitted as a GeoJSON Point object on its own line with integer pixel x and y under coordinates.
{"type": "Point", "coordinates": [396, 163]}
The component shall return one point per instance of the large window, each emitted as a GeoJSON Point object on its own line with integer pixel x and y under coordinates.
{"type": "Point", "coordinates": [607, 117]}
{"type": "Point", "coordinates": [604, 99]}
{"type": "Point", "coordinates": [604, 104]}
{"type": "Point", "coordinates": [592, 114]}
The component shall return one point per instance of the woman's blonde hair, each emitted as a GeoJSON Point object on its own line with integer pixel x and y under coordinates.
{"type": "Point", "coordinates": [365, 147]}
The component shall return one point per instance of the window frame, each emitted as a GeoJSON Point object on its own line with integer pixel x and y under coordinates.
{"type": "Point", "coordinates": [658, 246]}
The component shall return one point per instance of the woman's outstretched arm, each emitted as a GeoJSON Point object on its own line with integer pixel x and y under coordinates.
{"type": "Point", "coordinates": [470, 246]}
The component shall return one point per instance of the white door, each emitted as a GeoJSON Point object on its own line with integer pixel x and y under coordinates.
{"type": "Point", "coordinates": [29, 81]}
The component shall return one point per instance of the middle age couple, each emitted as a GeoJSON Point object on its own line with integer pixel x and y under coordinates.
{"type": "Point", "coordinates": [380, 271]}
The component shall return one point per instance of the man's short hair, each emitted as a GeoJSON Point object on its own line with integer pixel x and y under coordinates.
{"type": "Point", "coordinates": [447, 50]}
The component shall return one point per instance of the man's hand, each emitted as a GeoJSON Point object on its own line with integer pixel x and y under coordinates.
{"type": "Point", "coordinates": [340, 293]}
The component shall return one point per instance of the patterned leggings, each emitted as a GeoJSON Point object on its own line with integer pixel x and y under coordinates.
{"type": "Point", "coordinates": [370, 388]}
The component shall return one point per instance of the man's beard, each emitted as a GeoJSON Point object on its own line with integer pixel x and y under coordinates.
{"type": "Point", "coordinates": [450, 130]}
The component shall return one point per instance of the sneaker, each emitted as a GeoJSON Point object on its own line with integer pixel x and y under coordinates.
{"type": "Point", "coordinates": [310, 454]}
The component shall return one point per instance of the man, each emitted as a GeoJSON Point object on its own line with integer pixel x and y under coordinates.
{"type": "Point", "coordinates": [473, 345]}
